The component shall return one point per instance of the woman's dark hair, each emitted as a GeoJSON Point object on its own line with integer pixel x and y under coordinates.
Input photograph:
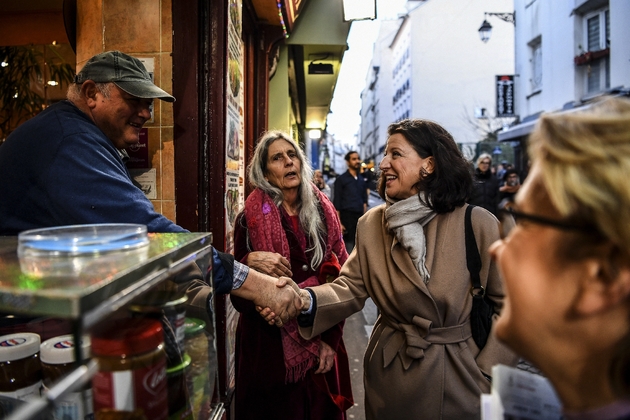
{"type": "Point", "coordinates": [450, 184]}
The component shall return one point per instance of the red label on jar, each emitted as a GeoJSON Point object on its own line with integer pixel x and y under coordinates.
{"type": "Point", "coordinates": [128, 390]}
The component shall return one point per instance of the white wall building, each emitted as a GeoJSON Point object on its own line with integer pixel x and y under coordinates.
{"type": "Point", "coordinates": [436, 67]}
{"type": "Point", "coordinates": [567, 54]}
{"type": "Point", "coordinates": [376, 98]}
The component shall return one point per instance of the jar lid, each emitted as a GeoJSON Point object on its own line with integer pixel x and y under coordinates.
{"type": "Point", "coordinates": [193, 326]}
{"type": "Point", "coordinates": [59, 350]}
{"type": "Point", "coordinates": [18, 346]}
{"type": "Point", "coordinates": [177, 369]}
{"type": "Point", "coordinates": [82, 239]}
{"type": "Point", "coordinates": [128, 336]}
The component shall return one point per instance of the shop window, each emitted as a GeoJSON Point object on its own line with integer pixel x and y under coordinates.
{"type": "Point", "coordinates": [536, 64]}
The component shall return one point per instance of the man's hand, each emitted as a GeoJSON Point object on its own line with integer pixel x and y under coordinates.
{"type": "Point", "coordinates": [270, 263]}
{"type": "Point", "coordinates": [305, 302]}
{"type": "Point", "coordinates": [282, 300]}
{"type": "Point", "coordinates": [510, 188]}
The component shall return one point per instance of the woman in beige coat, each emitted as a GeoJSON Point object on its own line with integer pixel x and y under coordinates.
{"type": "Point", "coordinates": [410, 258]}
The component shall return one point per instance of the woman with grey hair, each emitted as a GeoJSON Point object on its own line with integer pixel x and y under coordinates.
{"type": "Point", "coordinates": [486, 192]}
{"type": "Point", "coordinates": [288, 228]}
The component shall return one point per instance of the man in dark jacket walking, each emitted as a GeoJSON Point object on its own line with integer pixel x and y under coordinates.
{"type": "Point", "coordinates": [350, 198]}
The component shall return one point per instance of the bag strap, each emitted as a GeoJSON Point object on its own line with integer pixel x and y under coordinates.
{"type": "Point", "coordinates": [473, 259]}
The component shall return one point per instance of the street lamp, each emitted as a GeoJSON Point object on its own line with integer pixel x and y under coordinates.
{"type": "Point", "coordinates": [486, 29]}
{"type": "Point", "coordinates": [314, 133]}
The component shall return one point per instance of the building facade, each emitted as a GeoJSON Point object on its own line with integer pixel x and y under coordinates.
{"type": "Point", "coordinates": [432, 65]}
{"type": "Point", "coordinates": [376, 98]}
{"type": "Point", "coordinates": [567, 54]}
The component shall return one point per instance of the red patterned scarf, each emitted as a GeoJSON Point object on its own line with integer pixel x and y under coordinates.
{"type": "Point", "coordinates": [265, 230]}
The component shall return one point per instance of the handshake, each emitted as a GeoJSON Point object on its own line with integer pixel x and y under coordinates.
{"type": "Point", "coordinates": [282, 303]}
{"type": "Point", "coordinates": [277, 298]}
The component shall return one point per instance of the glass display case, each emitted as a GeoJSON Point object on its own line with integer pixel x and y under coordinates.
{"type": "Point", "coordinates": [141, 352]}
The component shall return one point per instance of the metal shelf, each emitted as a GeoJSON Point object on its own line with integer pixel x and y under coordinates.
{"type": "Point", "coordinates": [93, 288]}
{"type": "Point", "coordinates": [34, 286]}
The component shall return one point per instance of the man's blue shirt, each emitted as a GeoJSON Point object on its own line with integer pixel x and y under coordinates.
{"type": "Point", "coordinates": [59, 169]}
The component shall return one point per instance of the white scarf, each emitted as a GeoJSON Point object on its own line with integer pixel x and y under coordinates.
{"type": "Point", "coordinates": [406, 219]}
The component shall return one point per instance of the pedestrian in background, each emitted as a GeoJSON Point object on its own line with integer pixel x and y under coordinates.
{"type": "Point", "coordinates": [410, 259]}
{"type": "Point", "coordinates": [501, 168]}
{"type": "Point", "coordinates": [511, 185]}
{"type": "Point", "coordinates": [350, 197]}
{"type": "Point", "coordinates": [288, 228]}
{"type": "Point", "coordinates": [486, 191]}
{"type": "Point", "coordinates": [566, 265]}
{"type": "Point", "coordinates": [318, 180]}
{"type": "Point", "coordinates": [507, 192]}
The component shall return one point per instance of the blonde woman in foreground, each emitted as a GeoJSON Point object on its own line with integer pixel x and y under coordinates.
{"type": "Point", "coordinates": [566, 265]}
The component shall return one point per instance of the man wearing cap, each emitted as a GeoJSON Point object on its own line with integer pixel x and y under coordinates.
{"type": "Point", "coordinates": [65, 166]}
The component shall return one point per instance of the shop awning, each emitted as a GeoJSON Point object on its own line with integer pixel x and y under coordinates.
{"type": "Point", "coordinates": [318, 43]}
{"type": "Point", "coordinates": [518, 130]}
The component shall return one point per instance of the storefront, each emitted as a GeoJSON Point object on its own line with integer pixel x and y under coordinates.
{"type": "Point", "coordinates": [237, 69]}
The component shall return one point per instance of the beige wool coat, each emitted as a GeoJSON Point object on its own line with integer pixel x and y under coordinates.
{"type": "Point", "coordinates": [421, 361]}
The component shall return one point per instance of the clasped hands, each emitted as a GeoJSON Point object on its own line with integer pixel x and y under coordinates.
{"type": "Point", "coordinates": [285, 304]}
{"type": "Point", "coordinates": [279, 304]}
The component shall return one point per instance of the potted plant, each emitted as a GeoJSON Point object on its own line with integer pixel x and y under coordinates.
{"type": "Point", "coordinates": [589, 56]}
{"type": "Point", "coordinates": [26, 72]}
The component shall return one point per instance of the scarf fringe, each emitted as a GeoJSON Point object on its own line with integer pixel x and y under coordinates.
{"type": "Point", "coordinates": [298, 372]}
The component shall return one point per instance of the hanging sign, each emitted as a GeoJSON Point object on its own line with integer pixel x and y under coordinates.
{"type": "Point", "coordinates": [505, 96]}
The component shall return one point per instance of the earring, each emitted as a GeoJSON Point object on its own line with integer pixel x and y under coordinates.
{"type": "Point", "coordinates": [424, 172]}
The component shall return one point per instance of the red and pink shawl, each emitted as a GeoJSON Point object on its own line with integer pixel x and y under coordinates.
{"type": "Point", "coordinates": [265, 231]}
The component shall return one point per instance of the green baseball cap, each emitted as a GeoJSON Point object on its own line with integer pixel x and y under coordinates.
{"type": "Point", "coordinates": [127, 72]}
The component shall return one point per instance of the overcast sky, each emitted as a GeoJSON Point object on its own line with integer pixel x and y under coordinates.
{"type": "Point", "coordinates": [344, 121]}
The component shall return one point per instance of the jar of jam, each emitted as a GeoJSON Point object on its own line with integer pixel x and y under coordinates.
{"type": "Point", "coordinates": [131, 381]}
{"type": "Point", "coordinates": [20, 368]}
{"type": "Point", "coordinates": [58, 359]}
{"type": "Point", "coordinates": [169, 309]}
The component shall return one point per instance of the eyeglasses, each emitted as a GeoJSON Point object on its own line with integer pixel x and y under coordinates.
{"type": "Point", "coordinates": [485, 162]}
{"type": "Point", "coordinates": [558, 224]}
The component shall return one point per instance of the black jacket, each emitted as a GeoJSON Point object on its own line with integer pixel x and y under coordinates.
{"type": "Point", "coordinates": [486, 192]}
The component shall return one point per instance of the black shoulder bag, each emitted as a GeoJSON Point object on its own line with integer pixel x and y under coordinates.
{"type": "Point", "coordinates": [482, 308]}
